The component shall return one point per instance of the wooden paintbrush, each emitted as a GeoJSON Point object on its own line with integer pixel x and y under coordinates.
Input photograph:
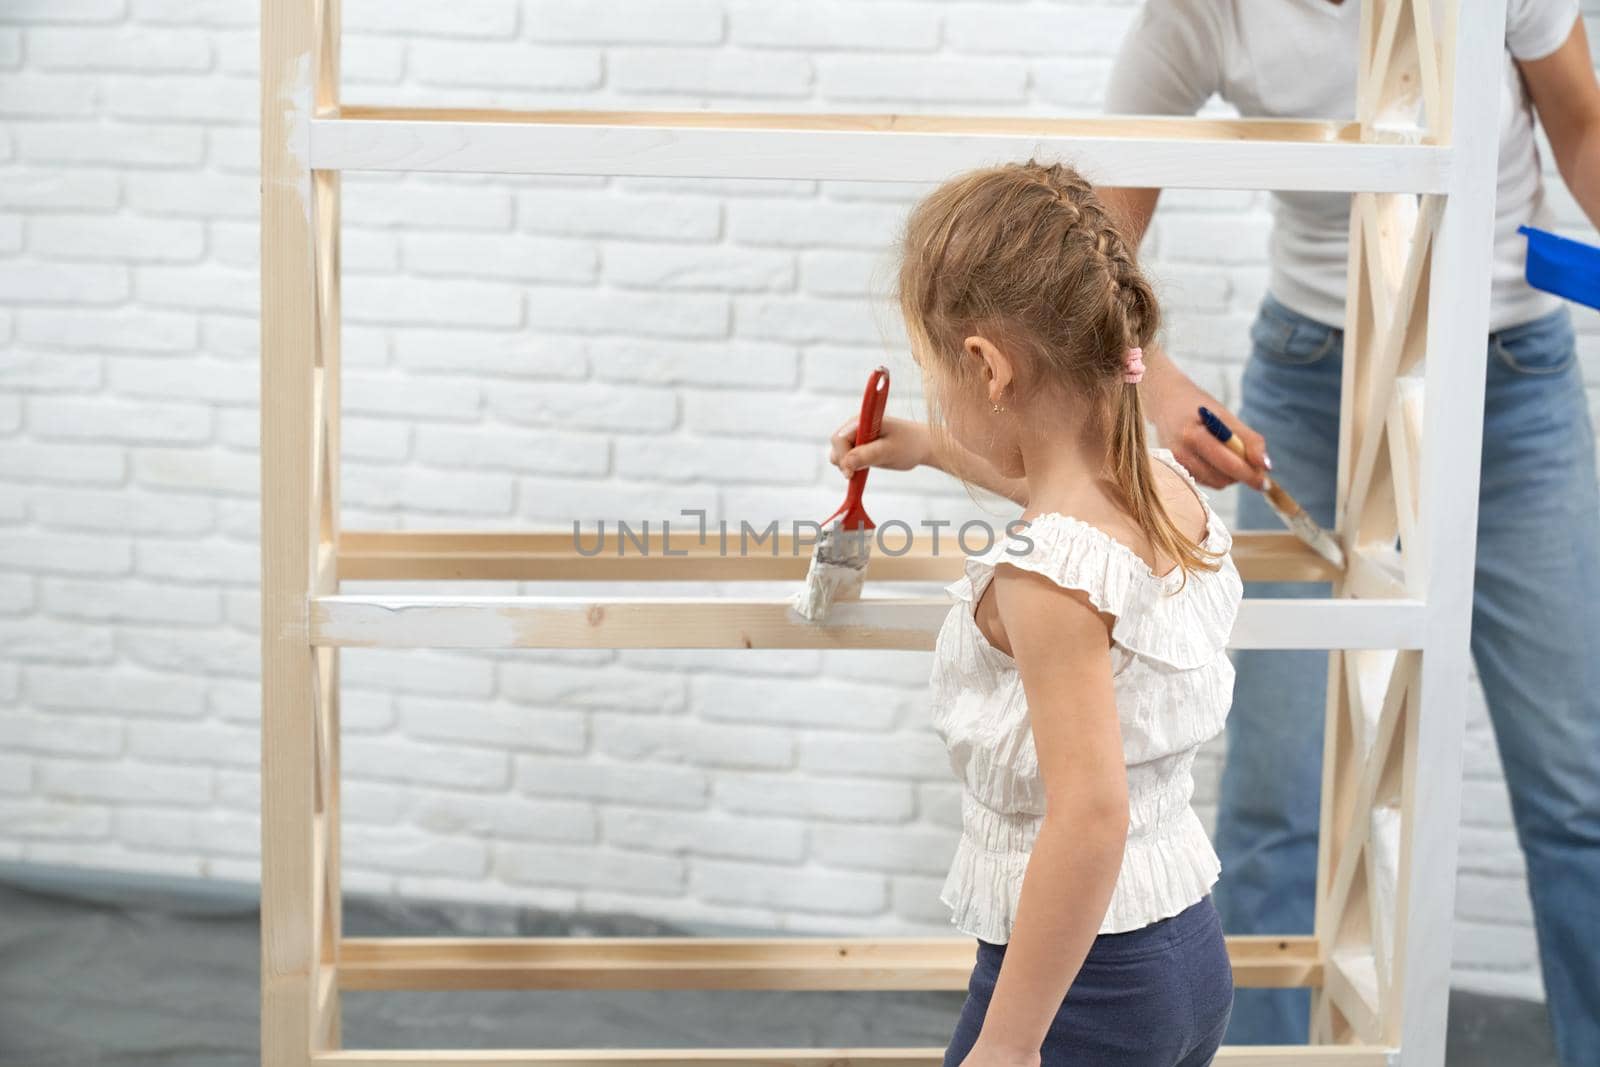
{"type": "Point", "coordinates": [1289, 510]}
{"type": "Point", "coordinates": [839, 564]}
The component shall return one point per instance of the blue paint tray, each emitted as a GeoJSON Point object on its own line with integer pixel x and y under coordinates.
{"type": "Point", "coordinates": [1563, 266]}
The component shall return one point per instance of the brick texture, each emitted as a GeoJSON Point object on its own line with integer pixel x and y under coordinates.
{"type": "Point", "coordinates": [518, 352]}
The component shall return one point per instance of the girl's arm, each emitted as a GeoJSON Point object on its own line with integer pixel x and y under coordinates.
{"type": "Point", "coordinates": [902, 444]}
{"type": "Point", "coordinates": [1567, 98]}
{"type": "Point", "coordinates": [1062, 648]}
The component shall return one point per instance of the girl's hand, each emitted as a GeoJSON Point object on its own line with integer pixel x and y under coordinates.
{"type": "Point", "coordinates": [901, 444]}
{"type": "Point", "coordinates": [985, 1053]}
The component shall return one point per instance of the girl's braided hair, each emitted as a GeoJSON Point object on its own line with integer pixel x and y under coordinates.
{"type": "Point", "coordinates": [1029, 255]}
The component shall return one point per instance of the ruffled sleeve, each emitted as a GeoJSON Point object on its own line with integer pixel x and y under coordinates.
{"type": "Point", "coordinates": [1182, 623]}
{"type": "Point", "coordinates": [1072, 554]}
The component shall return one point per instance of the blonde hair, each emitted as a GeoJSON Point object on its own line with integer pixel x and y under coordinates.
{"type": "Point", "coordinates": [1029, 256]}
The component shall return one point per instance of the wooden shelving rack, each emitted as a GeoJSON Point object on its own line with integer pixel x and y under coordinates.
{"type": "Point", "coordinates": [1378, 964]}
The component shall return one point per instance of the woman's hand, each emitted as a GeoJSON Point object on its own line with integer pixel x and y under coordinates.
{"type": "Point", "coordinates": [985, 1053]}
{"type": "Point", "coordinates": [901, 444]}
{"type": "Point", "coordinates": [1175, 410]}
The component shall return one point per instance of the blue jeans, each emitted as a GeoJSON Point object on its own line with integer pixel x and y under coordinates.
{"type": "Point", "coordinates": [1535, 639]}
{"type": "Point", "coordinates": [1158, 996]}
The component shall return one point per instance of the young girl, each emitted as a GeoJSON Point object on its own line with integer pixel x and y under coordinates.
{"type": "Point", "coordinates": [1083, 664]}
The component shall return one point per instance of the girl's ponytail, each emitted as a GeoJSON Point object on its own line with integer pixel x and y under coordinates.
{"type": "Point", "coordinates": [1133, 302]}
{"type": "Point", "coordinates": [1134, 478]}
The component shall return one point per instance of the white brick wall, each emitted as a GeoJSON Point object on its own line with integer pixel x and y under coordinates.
{"type": "Point", "coordinates": [517, 352]}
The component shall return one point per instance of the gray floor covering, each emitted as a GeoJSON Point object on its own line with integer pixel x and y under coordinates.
{"type": "Point", "coordinates": [128, 972]}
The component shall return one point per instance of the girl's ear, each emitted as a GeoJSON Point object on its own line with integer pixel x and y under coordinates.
{"type": "Point", "coordinates": [995, 365]}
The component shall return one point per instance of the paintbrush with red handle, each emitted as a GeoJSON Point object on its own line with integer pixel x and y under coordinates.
{"type": "Point", "coordinates": [839, 564]}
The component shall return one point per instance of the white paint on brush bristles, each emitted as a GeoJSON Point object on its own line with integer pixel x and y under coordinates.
{"type": "Point", "coordinates": [1305, 527]}
{"type": "Point", "coordinates": [837, 572]}
{"type": "Point", "coordinates": [827, 583]}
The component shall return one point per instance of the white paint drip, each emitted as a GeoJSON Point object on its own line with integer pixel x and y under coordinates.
{"type": "Point", "coordinates": [295, 99]}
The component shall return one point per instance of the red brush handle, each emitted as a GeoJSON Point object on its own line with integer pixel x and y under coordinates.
{"type": "Point", "coordinates": [873, 403]}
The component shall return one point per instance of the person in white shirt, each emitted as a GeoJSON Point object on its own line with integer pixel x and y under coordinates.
{"type": "Point", "coordinates": [1536, 618]}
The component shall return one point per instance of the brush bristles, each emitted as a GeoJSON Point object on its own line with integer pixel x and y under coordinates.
{"type": "Point", "coordinates": [1320, 540]}
{"type": "Point", "coordinates": [825, 584]}
{"type": "Point", "coordinates": [837, 572]}
{"type": "Point", "coordinates": [849, 548]}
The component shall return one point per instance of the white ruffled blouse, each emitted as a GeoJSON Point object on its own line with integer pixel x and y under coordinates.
{"type": "Point", "coordinates": [1173, 683]}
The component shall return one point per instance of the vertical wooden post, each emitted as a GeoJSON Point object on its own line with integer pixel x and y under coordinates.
{"type": "Point", "coordinates": [1457, 332]}
{"type": "Point", "coordinates": [298, 72]}
{"type": "Point", "coordinates": [326, 188]}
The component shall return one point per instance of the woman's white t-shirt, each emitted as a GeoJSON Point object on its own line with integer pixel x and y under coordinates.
{"type": "Point", "coordinates": [1297, 59]}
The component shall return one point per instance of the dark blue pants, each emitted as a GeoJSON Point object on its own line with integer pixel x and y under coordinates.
{"type": "Point", "coordinates": [1159, 996]}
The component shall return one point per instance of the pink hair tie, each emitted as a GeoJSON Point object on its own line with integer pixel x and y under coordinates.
{"type": "Point", "coordinates": [1133, 366]}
